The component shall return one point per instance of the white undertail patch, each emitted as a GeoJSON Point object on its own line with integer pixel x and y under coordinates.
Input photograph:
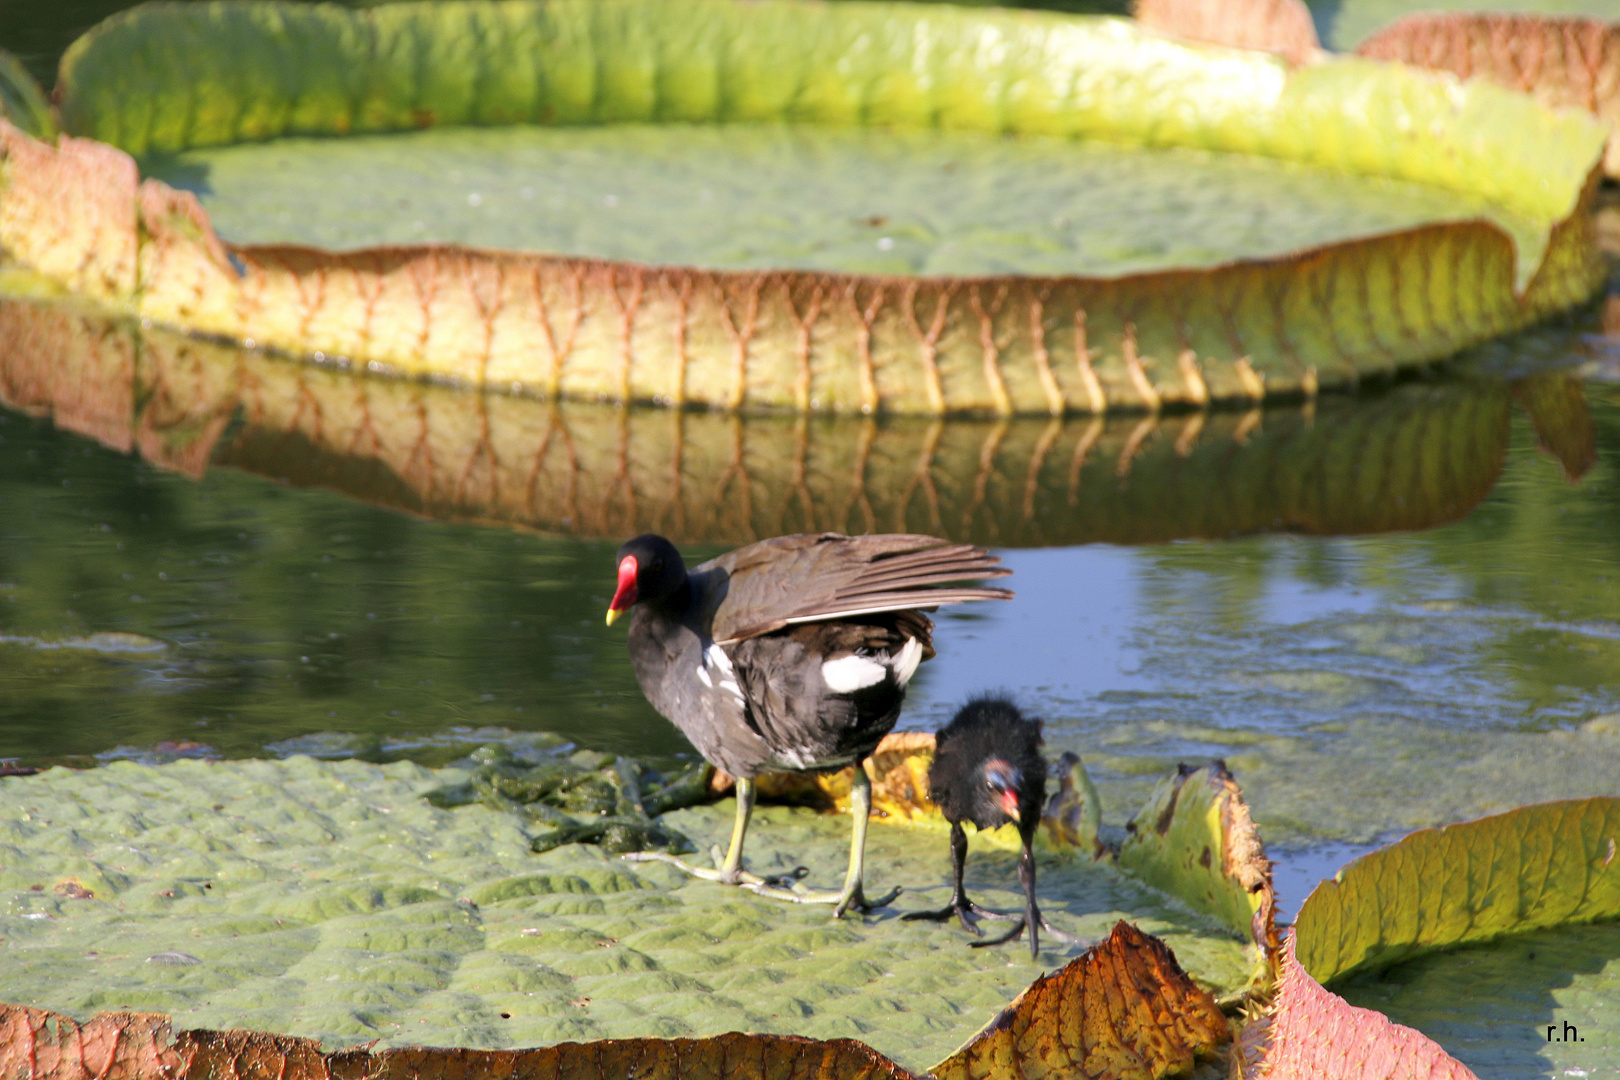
{"type": "Point", "coordinates": [848, 674]}
{"type": "Point", "coordinates": [906, 661]}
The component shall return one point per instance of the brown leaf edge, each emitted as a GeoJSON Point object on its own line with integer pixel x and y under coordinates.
{"type": "Point", "coordinates": [1310, 1033]}
{"type": "Point", "coordinates": [1284, 27]}
{"type": "Point", "coordinates": [1561, 61]}
{"type": "Point", "coordinates": [39, 1045]}
{"type": "Point", "coordinates": [79, 215]}
{"type": "Point", "coordinates": [1124, 1010]}
{"type": "Point", "coordinates": [1227, 874]}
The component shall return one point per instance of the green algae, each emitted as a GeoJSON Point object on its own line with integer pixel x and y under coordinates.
{"type": "Point", "coordinates": [746, 196]}
{"type": "Point", "coordinates": [329, 899]}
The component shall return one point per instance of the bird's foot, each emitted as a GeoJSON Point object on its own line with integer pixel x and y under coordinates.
{"type": "Point", "coordinates": [967, 913]}
{"type": "Point", "coordinates": [1012, 934]}
{"type": "Point", "coordinates": [719, 875]}
{"type": "Point", "coordinates": [843, 900]}
{"type": "Point", "coordinates": [1017, 931]}
{"type": "Point", "coordinates": [1057, 935]}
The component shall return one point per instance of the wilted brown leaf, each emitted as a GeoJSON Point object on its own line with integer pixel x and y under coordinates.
{"type": "Point", "coordinates": [1123, 1010]}
{"type": "Point", "coordinates": [1309, 1033]}
{"type": "Point", "coordinates": [37, 1045]}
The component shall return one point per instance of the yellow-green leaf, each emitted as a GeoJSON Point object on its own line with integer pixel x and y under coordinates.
{"type": "Point", "coordinates": [1194, 839]}
{"type": "Point", "coordinates": [1534, 867]}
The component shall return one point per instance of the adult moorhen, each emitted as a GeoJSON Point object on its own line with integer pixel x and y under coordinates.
{"type": "Point", "coordinates": [988, 769]}
{"type": "Point", "coordinates": [790, 653]}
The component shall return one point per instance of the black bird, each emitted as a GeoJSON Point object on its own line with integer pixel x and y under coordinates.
{"type": "Point", "coordinates": [988, 769]}
{"type": "Point", "coordinates": [790, 653]}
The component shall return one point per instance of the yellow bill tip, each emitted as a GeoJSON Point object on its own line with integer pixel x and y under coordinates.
{"type": "Point", "coordinates": [613, 615]}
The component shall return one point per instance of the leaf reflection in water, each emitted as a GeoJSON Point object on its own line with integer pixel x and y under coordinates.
{"type": "Point", "coordinates": [1412, 456]}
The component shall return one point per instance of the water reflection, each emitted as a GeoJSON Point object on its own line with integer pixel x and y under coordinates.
{"type": "Point", "coordinates": [1438, 637]}
{"type": "Point", "coordinates": [1413, 457]}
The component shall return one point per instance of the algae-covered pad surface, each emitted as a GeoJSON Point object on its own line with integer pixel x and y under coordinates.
{"type": "Point", "coordinates": [328, 899]}
{"type": "Point", "coordinates": [787, 197]}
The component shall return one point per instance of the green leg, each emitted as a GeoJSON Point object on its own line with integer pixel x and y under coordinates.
{"type": "Point", "coordinates": [728, 870]}
{"type": "Point", "coordinates": [851, 895]}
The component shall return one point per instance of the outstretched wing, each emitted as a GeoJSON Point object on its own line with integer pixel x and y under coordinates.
{"type": "Point", "coordinates": [811, 578]}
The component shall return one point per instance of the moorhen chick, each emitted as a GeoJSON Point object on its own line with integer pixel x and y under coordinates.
{"type": "Point", "coordinates": [988, 769]}
{"type": "Point", "coordinates": [790, 653]}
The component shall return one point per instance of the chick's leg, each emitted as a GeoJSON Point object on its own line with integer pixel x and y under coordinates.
{"type": "Point", "coordinates": [965, 910]}
{"type": "Point", "coordinates": [1032, 917]}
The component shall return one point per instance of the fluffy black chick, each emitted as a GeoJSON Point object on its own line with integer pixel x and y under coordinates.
{"type": "Point", "coordinates": [988, 769]}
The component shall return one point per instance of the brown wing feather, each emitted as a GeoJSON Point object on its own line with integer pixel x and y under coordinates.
{"type": "Point", "coordinates": [806, 578]}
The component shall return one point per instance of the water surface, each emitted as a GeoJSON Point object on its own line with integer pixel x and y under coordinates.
{"type": "Point", "coordinates": [1384, 611]}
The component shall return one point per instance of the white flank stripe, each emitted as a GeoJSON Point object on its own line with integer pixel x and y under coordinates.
{"type": "Point", "coordinates": [850, 673]}
{"type": "Point", "coordinates": [714, 656]}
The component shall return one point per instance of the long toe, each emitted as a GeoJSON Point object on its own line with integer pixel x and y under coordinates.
{"type": "Point", "coordinates": [719, 877]}
{"type": "Point", "coordinates": [932, 916]}
{"type": "Point", "coordinates": [1010, 935]}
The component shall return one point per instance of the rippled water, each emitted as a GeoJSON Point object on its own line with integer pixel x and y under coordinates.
{"type": "Point", "coordinates": [202, 552]}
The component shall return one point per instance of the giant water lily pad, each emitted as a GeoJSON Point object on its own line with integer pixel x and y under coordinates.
{"type": "Point", "coordinates": [803, 197]}
{"type": "Point", "coordinates": [165, 79]}
{"type": "Point", "coordinates": [1527, 869]}
{"type": "Point", "coordinates": [328, 899]}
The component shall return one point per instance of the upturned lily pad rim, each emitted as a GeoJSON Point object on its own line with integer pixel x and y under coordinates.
{"type": "Point", "coordinates": [166, 77]}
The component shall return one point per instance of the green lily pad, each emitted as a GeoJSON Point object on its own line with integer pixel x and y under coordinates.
{"type": "Point", "coordinates": [1195, 840]}
{"type": "Point", "coordinates": [328, 899]}
{"type": "Point", "coordinates": [771, 197]}
{"type": "Point", "coordinates": [1534, 867]}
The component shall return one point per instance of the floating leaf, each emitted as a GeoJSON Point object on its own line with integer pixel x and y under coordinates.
{"type": "Point", "coordinates": [329, 899]}
{"type": "Point", "coordinates": [1195, 840]}
{"type": "Point", "coordinates": [1415, 456]}
{"type": "Point", "coordinates": [1534, 867]}
{"type": "Point", "coordinates": [22, 101]}
{"type": "Point", "coordinates": [140, 1046]}
{"type": "Point", "coordinates": [168, 77]}
{"type": "Point", "coordinates": [1073, 816]}
{"type": "Point", "coordinates": [1122, 1011]}
{"type": "Point", "coordinates": [1308, 1033]}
